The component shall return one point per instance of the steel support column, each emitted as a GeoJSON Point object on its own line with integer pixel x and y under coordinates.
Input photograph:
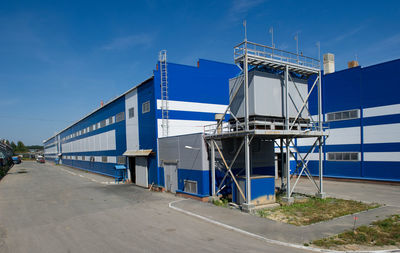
{"type": "Point", "coordinates": [321, 193]}
{"type": "Point", "coordinates": [287, 163]}
{"type": "Point", "coordinates": [246, 121]}
{"type": "Point", "coordinates": [212, 168]}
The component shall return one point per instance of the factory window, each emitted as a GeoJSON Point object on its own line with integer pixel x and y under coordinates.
{"type": "Point", "coordinates": [119, 117]}
{"type": "Point", "coordinates": [76, 157]}
{"type": "Point", "coordinates": [110, 120]}
{"type": "Point", "coordinates": [121, 159]}
{"type": "Point", "coordinates": [345, 115]}
{"type": "Point", "coordinates": [90, 128]}
{"type": "Point", "coordinates": [131, 112]}
{"type": "Point", "coordinates": [146, 107]}
{"type": "Point", "coordinates": [83, 158]}
{"type": "Point", "coordinates": [103, 123]}
{"type": "Point", "coordinates": [92, 158]}
{"type": "Point", "coordinates": [343, 156]}
{"type": "Point", "coordinates": [104, 159]}
{"type": "Point", "coordinates": [190, 186]}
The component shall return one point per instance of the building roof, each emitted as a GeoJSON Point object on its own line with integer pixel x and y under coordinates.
{"type": "Point", "coordinates": [97, 109]}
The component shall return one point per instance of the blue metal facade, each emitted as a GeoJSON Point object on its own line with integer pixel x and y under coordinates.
{"type": "Point", "coordinates": [207, 83]}
{"type": "Point", "coordinates": [374, 134]}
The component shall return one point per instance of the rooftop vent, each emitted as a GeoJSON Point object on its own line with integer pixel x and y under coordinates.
{"type": "Point", "coordinates": [352, 64]}
{"type": "Point", "coordinates": [329, 63]}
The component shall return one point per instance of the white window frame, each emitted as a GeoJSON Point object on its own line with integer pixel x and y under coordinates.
{"type": "Point", "coordinates": [146, 107]}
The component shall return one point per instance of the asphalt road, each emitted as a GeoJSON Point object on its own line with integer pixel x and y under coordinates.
{"type": "Point", "coordinates": [47, 208]}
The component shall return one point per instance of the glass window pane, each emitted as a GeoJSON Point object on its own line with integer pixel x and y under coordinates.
{"type": "Point", "coordinates": [354, 156]}
{"type": "Point", "coordinates": [345, 115]}
{"type": "Point", "coordinates": [354, 114]}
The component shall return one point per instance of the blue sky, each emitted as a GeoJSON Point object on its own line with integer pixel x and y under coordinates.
{"type": "Point", "coordinates": [58, 59]}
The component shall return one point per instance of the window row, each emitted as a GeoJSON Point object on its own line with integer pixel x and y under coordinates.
{"type": "Point", "coordinates": [106, 122]}
{"type": "Point", "coordinates": [345, 115]}
{"type": "Point", "coordinates": [343, 156]}
{"type": "Point", "coordinates": [102, 159]}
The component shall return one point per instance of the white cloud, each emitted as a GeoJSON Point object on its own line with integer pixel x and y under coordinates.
{"type": "Point", "coordinates": [129, 41]}
{"type": "Point", "coordinates": [241, 7]}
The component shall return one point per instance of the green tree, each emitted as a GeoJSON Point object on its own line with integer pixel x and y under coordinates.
{"type": "Point", "coordinates": [14, 147]}
{"type": "Point", "coordinates": [21, 147]}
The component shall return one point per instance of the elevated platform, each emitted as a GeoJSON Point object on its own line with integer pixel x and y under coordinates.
{"type": "Point", "coordinates": [258, 54]}
{"type": "Point", "coordinates": [268, 134]}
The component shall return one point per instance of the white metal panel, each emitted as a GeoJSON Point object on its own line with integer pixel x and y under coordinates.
{"type": "Point", "coordinates": [381, 110]}
{"type": "Point", "coordinates": [141, 171]}
{"type": "Point", "coordinates": [99, 142]}
{"type": "Point", "coordinates": [311, 156]}
{"type": "Point", "coordinates": [180, 127]}
{"type": "Point", "coordinates": [382, 156]}
{"type": "Point", "coordinates": [193, 106]}
{"type": "Point", "coordinates": [111, 140]}
{"type": "Point", "coordinates": [305, 141]}
{"type": "Point", "coordinates": [387, 133]}
{"type": "Point", "coordinates": [132, 124]}
{"type": "Point", "coordinates": [112, 159]}
{"type": "Point", "coordinates": [346, 135]}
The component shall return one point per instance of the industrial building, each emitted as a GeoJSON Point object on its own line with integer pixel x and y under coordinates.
{"type": "Point", "coordinates": [184, 127]}
{"type": "Point", "coordinates": [126, 130]}
{"type": "Point", "coordinates": [362, 109]}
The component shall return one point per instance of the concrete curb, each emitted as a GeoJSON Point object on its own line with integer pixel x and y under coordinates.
{"type": "Point", "coordinates": [292, 245]}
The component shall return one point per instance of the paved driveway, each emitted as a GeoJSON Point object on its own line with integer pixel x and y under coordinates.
{"type": "Point", "coordinates": [47, 208]}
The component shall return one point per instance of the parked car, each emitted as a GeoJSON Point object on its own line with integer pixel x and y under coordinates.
{"type": "Point", "coordinates": [16, 159]}
{"type": "Point", "coordinates": [40, 159]}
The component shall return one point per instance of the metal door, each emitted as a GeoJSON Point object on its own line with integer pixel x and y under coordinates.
{"type": "Point", "coordinates": [141, 171]}
{"type": "Point", "coordinates": [171, 176]}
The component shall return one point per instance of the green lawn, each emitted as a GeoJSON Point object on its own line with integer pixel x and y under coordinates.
{"type": "Point", "coordinates": [379, 233]}
{"type": "Point", "coordinates": [309, 210]}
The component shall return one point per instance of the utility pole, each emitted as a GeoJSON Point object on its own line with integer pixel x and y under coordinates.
{"type": "Point", "coordinates": [296, 38]}
{"type": "Point", "coordinates": [271, 31]}
{"type": "Point", "coordinates": [245, 29]}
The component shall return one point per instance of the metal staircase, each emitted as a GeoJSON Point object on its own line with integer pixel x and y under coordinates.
{"type": "Point", "coordinates": [164, 91]}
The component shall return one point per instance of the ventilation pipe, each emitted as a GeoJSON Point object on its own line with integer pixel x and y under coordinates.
{"type": "Point", "coordinates": [329, 63]}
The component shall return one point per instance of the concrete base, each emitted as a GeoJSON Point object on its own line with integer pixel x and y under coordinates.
{"type": "Point", "coordinates": [288, 200]}
{"type": "Point", "coordinates": [247, 208]}
{"type": "Point", "coordinates": [320, 195]}
{"type": "Point", "coordinates": [267, 206]}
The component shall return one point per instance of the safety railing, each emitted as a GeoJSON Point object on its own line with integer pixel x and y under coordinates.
{"type": "Point", "coordinates": [254, 49]}
{"type": "Point", "coordinates": [302, 126]}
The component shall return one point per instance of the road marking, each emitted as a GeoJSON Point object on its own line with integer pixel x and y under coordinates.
{"type": "Point", "coordinates": [271, 241]}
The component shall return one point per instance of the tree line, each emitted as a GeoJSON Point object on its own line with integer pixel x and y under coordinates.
{"type": "Point", "coordinates": [20, 146]}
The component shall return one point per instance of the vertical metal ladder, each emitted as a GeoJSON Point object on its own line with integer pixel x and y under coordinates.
{"type": "Point", "coordinates": [164, 91]}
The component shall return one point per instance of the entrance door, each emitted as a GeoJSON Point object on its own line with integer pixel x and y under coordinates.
{"type": "Point", "coordinates": [141, 171]}
{"type": "Point", "coordinates": [171, 176]}
{"type": "Point", "coordinates": [132, 169]}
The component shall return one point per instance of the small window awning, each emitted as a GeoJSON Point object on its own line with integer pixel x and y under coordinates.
{"type": "Point", "coordinates": [140, 152]}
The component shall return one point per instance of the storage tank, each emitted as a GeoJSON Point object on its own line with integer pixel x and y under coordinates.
{"type": "Point", "coordinates": [266, 95]}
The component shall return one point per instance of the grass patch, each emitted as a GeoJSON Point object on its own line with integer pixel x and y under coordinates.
{"type": "Point", "coordinates": [379, 233]}
{"type": "Point", "coordinates": [224, 202]}
{"type": "Point", "coordinates": [308, 210]}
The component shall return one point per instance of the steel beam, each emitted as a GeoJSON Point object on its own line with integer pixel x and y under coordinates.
{"type": "Point", "coordinates": [246, 123]}
{"type": "Point", "coordinates": [321, 193]}
{"type": "Point", "coordinates": [212, 168]}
